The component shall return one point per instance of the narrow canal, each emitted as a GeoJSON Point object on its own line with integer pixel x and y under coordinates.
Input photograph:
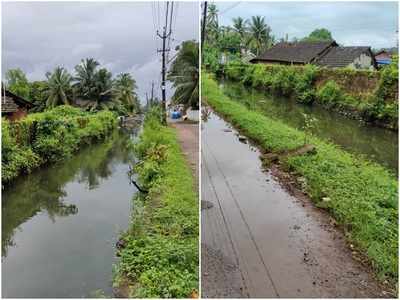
{"type": "Point", "coordinates": [60, 224]}
{"type": "Point", "coordinates": [378, 144]}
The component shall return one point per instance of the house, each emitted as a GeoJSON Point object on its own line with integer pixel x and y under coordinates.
{"type": "Point", "coordinates": [296, 53]}
{"type": "Point", "coordinates": [13, 107]}
{"type": "Point", "coordinates": [350, 57]}
{"type": "Point", "coordinates": [384, 56]}
{"type": "Point", "coordinates": [323, 53]}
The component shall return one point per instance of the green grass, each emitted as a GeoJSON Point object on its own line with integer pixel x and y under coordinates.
{"type": "Point", "coordinates": [361, 195]}
{"type": "Point", "coordinates": [161, 254]}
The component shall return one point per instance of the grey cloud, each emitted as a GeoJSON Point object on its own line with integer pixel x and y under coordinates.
{"type": "Point", "coordinates": [351, 23]}
{"type": "Point", "coordinates": [37, 36]}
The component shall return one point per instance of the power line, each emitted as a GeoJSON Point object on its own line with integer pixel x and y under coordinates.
{"type": "Point", "coordinates": [229, 8]}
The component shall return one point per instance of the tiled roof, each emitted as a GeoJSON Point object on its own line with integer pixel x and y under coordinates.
{"type": "Point", "coordinates": [8, 105]}
{"type": "Point", "coordinates": [341, 56]}
{"type": "Point", "coordinates": [297, 52]}
{"type": "Point", "coordinates": [11, 102]}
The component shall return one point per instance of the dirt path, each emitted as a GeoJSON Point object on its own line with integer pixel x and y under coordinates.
{"type": "Point", "coordinates": [258, 240]}
{"type": "Point", "coordinates": [188, 136]}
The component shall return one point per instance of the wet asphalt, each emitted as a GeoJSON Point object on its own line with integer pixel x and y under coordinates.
{"type": "Point", "coordinates": [259, 240]}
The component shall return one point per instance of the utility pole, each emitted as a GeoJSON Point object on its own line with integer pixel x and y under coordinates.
{"type": "Point", "coordinates": [203, 29]}
{"type": "Point", "coordinates": [164, 36]}
{"type": "Point", "coordinates": [152, 92]}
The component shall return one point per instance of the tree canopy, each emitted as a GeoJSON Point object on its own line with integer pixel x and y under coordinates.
{"type": "Point", "coordinates": [184, 75]}
{"type": "Point", "coordinates": [319, 34]}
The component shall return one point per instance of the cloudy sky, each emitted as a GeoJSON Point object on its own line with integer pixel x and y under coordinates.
{"type": "Point", "coordinates": [351, 23]}
{"type": "Point", "coordinates": [38, 36]}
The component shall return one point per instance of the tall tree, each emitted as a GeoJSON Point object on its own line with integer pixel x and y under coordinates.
{"type": "Point", "coordinates": [38, 95]}
{"type": "Point", "coordinates": [124, 92]}
{"type": "Point", "coordinates": [240, 26]}
{"type": "Point", "coordinates": [184, 74]}
{"type": "Point", "coordinates": [319, 34]}
{"type": "Point", "coordinates": [212, 26]}
{"type": "Point", "coordinates": [86, 78]}
{"type": "Point", "coordinates": [59, 90]}
{"type": "Point", "coordinates": [17, 82]}
{"type": "Point", "coordinates": [101, 92]}
{"type": "Point", "coordinates": [260, 34]}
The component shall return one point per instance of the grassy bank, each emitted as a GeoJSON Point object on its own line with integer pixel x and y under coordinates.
{"type": "Point", "coordinates": [160, 253]}
{"type": "Point", "coordinates": [50, 136]}
{"type": "Point", "coordinates": [369, 95]}
{"type": "Point", "coordinates": [361, 195]}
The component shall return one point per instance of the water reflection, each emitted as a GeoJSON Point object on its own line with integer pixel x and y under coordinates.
{"type": "Point", "coordinates": [60, 223]}
{"type": "Point", "coordinates": [378, 144]}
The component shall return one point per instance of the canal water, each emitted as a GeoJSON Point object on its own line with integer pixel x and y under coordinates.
{"type": "Point", "coordinates": [60, 224]}
{"type": "Point", "coordinates": [377, 144]}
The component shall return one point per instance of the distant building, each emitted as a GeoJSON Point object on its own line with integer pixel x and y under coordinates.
{"type": "Point", "coordinates": [323, 53]}
{"type": "Point", "coordinates": [13, 107]}
{"type": "Point", "coordinates": [384, 56]}
{"type": "Point", "coordinates": [350, 57]}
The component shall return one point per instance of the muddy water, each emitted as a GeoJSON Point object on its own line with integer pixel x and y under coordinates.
{"type": "Point", "coordinates": [378, 144]}
{"type": "Point", "coordinates": [60, 224]}
{"type": "Point", "coordinates": [258, 239]}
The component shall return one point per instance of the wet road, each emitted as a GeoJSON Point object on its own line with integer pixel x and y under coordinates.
{"type": "Point", "coordinates": [260, 241]}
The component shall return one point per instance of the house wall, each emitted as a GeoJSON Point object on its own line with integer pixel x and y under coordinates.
{"type": "Point", "coordinates": [354, 83]}
{"type": "Point", "coordinates": [364, 62]}
{"type": "Point", "coordinates": [383, 55]}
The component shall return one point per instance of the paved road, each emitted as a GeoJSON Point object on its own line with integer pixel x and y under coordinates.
{"type": "Point", "coordinates": [188, 136]}
{"type": "Point", "coordinates": [258, 240]}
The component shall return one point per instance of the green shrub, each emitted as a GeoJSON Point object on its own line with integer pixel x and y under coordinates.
{"type": "Point", "coordinates": [299, 82]}
{"type": "Point", "coordinates": [234, 70]}
{"type": "Point", "coordinates": [330, 94]}
{"type": "Point", "coordinates": [49, 136]}
{"type": "Point", "coordinates": [304, 89]}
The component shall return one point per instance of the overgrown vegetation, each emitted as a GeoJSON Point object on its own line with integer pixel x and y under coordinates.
{"type": "Point", "coordinates": [159, 257]}
{"type": "Point", "coordinates": [361, 195]}
{"type": "Point", "coordinates": [379, 106]}
{"type": "Point", "coordinates": [49, 136]}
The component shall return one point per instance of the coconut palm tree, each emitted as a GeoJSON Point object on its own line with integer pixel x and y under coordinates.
{"type": "Point", "coordinates": [58, 88]}
{"type": "Point", "coordinates": [124, 92]}
{"type": "Point", "coordinates": [212, 23]}
{"type": "Point", "coordinates": [184, 74]}
{"type": "Point", "coordinates": [240, 26]}
{"type": "Point", "coordinates": [102, 90]}
{"type": "Point", "coordinates": [260, 34]}
{"type": "Point", "coordinates": [85, 78]}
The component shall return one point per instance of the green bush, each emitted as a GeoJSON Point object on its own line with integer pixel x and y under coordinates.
{"type": "Point", "coordinates": [330, 94]}
{"type": "Point", "coordinates": [304, 89]}
{"type": "Point", "coordinates": [299, 82]}
{"type": "Point", "coordinates": [49, 136]}
{"type": "Point", "coordinates": [362, 195]}
{"type": "Point", "coordinates": [160, 258]}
